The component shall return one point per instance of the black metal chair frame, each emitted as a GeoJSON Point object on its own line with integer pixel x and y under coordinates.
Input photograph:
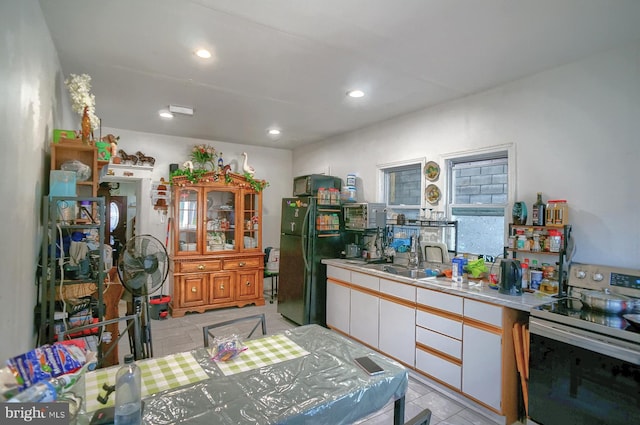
{"type": "Point", "coordinates": [206, 330]}
{"type": "Point", "coordinates": [422, 418]}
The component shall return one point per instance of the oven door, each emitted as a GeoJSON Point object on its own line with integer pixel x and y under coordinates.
{"type": "Point", "coordinates": [578, 377]}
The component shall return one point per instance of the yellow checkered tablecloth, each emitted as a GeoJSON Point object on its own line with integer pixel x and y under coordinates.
{"type": "Point", "coordinates": [262, 352]}
{"type": "Point", "coordinates": [158, 375]}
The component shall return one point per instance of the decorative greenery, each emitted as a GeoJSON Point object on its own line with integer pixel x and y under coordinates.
{"type": "Point", "coordinates": [79, 87]}
{"type": "Point", "coordinates": [193, 176]}
{"type": "Point", "coordinates": [203, 155]}
{"type": "Point", "coordinates": [197, 174]}
{"type": "Point", "coordinates": [257, 185]}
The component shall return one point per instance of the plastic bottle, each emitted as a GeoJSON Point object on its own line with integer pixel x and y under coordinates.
{"type": "Point", "coordinates": [538, 214]}
{"type": "Point", "coordinates": [128, 406]}
{"type": "Point", "coordinates": [525, 275]}
{"type": "Point", "coordinates": [44, 391]}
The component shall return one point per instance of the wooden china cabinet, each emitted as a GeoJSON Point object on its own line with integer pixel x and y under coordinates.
{"type": "Point", "coordinates": [217, 244]}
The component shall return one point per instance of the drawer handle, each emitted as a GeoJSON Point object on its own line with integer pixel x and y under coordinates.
{"type": "Point", "coordinates": [194, 289]}
{"type": "Point", "coordinates": [222, 286]}
{"type": "Point", "coordinates": [242, 264]}
{"type": "Point", "coordinates": [201, 267]}
{"type": "Point", "coordinates": [248, 283]}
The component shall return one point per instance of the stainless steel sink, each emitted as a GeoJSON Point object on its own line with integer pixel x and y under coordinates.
{"type": "Point", "coordinates": [397, 270]}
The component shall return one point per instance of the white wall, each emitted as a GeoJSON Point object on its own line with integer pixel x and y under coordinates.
{"type": "Point", "coordinates": [33, 103]}
{"type": "Point", "coordinates": [272, 165]}
{"type": "Point", "coordinates": [576, 133]}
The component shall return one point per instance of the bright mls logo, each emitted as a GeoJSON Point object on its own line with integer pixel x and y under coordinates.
{"type": "Point", "coordinates": [34, 413]}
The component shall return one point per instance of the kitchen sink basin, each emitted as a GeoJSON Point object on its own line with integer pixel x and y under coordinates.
{"type": "Point", "coordinates": [397, 270]}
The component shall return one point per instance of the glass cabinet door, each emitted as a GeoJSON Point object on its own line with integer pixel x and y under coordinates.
{"type": "Point", "coordinates": [220, 220]}
{"type": "Point", "coordinates": [251, 221]}
{"type": "Point", "coordinates": [187, 220]}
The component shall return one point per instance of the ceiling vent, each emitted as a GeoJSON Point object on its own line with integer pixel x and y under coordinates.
{"type": "Point", "coordinates": [183, 110]}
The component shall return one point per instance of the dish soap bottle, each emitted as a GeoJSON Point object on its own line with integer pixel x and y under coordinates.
{"type": "Point", "coordinates": [538, 214]}
{"type": "Point", "coordinates": [128, 406]}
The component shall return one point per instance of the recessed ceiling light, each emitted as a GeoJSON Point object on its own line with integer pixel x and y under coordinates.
{"type": "Point", "coordinates": [355, 93]}
{"type": "Point", "coordinates": [274, 132]}
{"type": "Point", "coordinates": [166, 114]}
{"type": "Point", "coordinates": [203, 53]}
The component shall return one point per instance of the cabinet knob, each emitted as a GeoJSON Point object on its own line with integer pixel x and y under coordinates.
{"type": "Point", "coordinates": [242, 264]}
{"type": "Point", "coordinates": [222, 286]}
{"type": "Point", "coordinates": [248, 283]}
{"type": "Point", "coordinates": [194, 289]}
{"type": "Point", "coordinates": [201, 267]}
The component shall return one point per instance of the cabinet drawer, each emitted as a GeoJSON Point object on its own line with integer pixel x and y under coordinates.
{"type": "Point", "coordinates": [397, 289]}
{"type": "Point", "coordinates": [483, 312]}
{"type": "Point", "coordinates": [366, 281]}
{"type": "Point", "coordinates": [338, 273]}
{"type": "Point", "coordinates": [242, 263]}
{"type": "Point", "coordinates": [440, 300]}
{"type": "Point", "coordinates": [439, 368]}
{"type": "Point", "coordinates": [198, 266]}
{"type": "Point", "coordinates": [439, 342]}
{"type": "Point", "coordinates": [442, 325]}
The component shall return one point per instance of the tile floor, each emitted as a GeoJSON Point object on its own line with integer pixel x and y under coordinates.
{"type": "Point", "coordinates": [180, 334]}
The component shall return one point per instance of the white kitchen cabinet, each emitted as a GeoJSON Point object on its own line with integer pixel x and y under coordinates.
{"type": "Point", "coordinates": [338, 306]}
{"type": "Point", "coordinates": [336, 273]}
{"type": "Point", "coordinates": [397, 331]}
{"type": "Point", "coordinates": [365, 281]}
{"type": "Point", "coordinates": [364, 317]}
{"type": "Point", "coordinates": [398, 320]}
{"type": "Point", "coordinates": [439, 336]}
{"type": "Point", "coordinates": [462, 343]}
{"type": "Point", "coordinates": [482, 366]}
{"type": "Point", "coordinates": [439, 368]}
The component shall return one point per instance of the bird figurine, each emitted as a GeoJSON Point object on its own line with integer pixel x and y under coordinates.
{"type": "Point", "coordinates": [188, 165]}
{"type": "Point", "coordinates": [246, 167]}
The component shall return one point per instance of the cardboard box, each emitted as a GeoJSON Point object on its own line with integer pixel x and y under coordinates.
{"type": "Point", "coordinates": [63, 134]}
{"type": "Point", "coordinates": [104, 151]}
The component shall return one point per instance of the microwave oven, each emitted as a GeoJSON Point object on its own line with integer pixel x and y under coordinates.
{"type": "Point", "coordinates": [364, 215]}
{"type": "Point", "coordinates": [309, 185]}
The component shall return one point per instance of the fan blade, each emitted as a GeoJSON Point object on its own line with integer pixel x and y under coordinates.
{"type": "Point", "coordinates": [144, 245]}
{"type": "Point", "coordinates": [131, 262]}
{"type": "Point", "coordinates": [137, 282]}
{"type": "Point", "coordinates": [156, 280]}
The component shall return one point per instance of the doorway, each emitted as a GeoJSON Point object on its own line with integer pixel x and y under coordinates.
{"type": "Point", "coordinates": [120, 214]}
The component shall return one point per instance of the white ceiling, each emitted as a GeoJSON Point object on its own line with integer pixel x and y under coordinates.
{"type": "Point", "coordinates": [288, 63]}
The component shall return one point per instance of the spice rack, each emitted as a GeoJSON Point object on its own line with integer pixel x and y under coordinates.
{"type": "Point", "coordinates": [558, 256]}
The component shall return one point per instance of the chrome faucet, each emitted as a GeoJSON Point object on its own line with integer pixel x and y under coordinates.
{"type": "Point", "coordinates": [415, 257]}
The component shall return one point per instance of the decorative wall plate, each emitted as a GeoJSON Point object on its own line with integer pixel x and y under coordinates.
{"type": "Point", "coordinates": [432, 194]}
{"type": "Point", "coordinates": [431, 171]}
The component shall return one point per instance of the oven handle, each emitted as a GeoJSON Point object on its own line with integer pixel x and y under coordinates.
{"type": "Point", "coordinates": [598, 343]}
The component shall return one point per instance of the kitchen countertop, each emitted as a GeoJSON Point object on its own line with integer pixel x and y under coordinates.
{"type": "Point", "coordinates": [524, 302]}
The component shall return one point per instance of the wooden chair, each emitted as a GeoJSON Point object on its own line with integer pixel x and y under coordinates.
{"type": "Point", "coordinates": [422, 418]}
{"type": "Point", "coordinates": [259, 319]}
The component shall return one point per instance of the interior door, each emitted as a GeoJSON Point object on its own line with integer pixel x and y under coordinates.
{"type": "Point", "coordinates": [118, 218]}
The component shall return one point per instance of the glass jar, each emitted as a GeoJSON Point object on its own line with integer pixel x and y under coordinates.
{"type": "Point", "coordinates": [522, 242]}
{"type": "Point", "coordinates": [535, 247]}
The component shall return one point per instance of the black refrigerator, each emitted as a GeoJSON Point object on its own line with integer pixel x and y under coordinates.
{"type": "Point", "coordinates": [309, 233]}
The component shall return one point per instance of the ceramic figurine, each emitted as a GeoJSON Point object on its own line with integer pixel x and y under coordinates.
{"type": "Point", "coordinates": [246, 167]}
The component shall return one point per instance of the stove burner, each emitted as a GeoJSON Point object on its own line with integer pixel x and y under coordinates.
{"type": "Point", "coordinates": [573, 308]}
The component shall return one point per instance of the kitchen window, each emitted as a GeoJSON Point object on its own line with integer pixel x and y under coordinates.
{"type": "Point", "coordinates": [478, 194]}
{"type": "Point", "coordinates": [402, 187]}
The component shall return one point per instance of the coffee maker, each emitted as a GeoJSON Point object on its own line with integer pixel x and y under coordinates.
{"type": "Point", "coordinates": [510, 277]}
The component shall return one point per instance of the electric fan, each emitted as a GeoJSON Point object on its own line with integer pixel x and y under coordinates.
{"type": "Point", "coordinates": [143, 267]}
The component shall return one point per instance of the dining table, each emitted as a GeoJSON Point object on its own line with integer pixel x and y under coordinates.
{"type": "Point", "coordinates": [303, 375]}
